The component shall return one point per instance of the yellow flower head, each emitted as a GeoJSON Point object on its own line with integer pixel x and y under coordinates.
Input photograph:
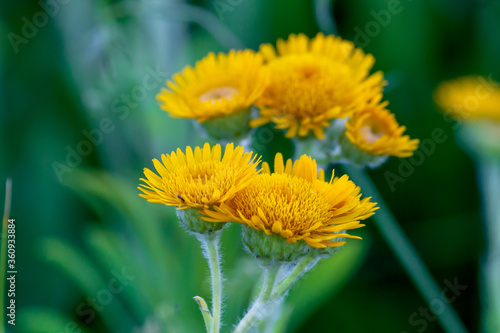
{"type": "Point", "coordinates": [199, 179]}
{"type": "Point", "coordinates": [297, 204]}
{"type": "Point", "coordinates": [312, 81]}
{"type": "Point", "coordinates": [218, 85]}
{"type": "Point", "coordinates": [374, 130]}
{"type": "Point", "coordinates": [470, 97]}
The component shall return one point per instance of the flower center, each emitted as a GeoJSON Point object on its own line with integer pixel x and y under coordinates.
{"type": "Point", "coordinates": [373, 128]}
{"type": "Point", "coordinates": [288, 199]}
{"type": "Point", "coordinates": [217, 94]}
{"type": "Point", "coordinates": [309, 72]}
{"type": "Point", "coordinates": [370, 134]}
{"type": "Point", "coordinates": [307, 85]}
{"type": "Point", "coordinates": [202, 173]}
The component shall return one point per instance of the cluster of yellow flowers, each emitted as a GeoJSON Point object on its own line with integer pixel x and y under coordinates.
{"type": "Point", "coordinates": [302, 85]}
{"type": "Point", "coordinates": [320, 91]}
{"type": "Point", "coordinates": [295, 202]}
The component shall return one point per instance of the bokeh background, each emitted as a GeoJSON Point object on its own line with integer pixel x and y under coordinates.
{"type": "Point", "coordinates": [83, 75]}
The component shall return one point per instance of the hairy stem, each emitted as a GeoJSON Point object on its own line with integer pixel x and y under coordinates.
{"type": "Point", "coordinates": [294, 275]}
{"type": "Point", "coordinates": [255, 313]}
{"type": "Point", "coordinates": [210, 243]}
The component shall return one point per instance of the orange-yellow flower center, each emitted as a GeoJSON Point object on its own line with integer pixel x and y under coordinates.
{"type": "Point", "coordinates": [202, 183]}
{"type": "Point", "coordinates": [218, 94]}
{"type": "Point", "coordinates": [290, 200]}
{"type": "Point", "coordinates": [372, 130]}
{"type": "Point", "coordinates": [369, 134]}
{"type": "Point", "coordinates": [305, 85]}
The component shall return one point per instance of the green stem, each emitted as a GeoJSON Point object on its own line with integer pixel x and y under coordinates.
{"type": "Point", "coordinates": [3, 251]}
{"type": "Point", "coordinates": [489, 174]}
{"type": "Point", "coordinates": [323, 10]}
{"type": "Point", "coordinates": [406, 253]}
{"type": "Point", "coordinates": [210, 242]}
{"type": "Point", "coordinates": [255, 313]}
{"type": "Point", "coordinates": [294, 275]}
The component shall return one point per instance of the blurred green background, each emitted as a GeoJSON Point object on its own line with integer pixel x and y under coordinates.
{"type": "Point", "coordinates": [83, 75]}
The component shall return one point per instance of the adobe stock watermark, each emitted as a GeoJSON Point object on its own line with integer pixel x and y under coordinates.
{"type": "Point", "coordinates": [121, 106]}
{"type": "Point", "coordinates": [420, 319]}
{"type": "Point", "coordinates": [87, 309]}
{"type": "Point", "coordinates": [381, 19]}
{"type": "Point", "coordinates": [39, 20]}
{"type": "Point", "coordinates": [223, 6]}
{"type": "Point", "coordinates": [427, 147]}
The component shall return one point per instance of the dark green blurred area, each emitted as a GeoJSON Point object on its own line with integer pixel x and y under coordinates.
{"type": "Point", "coordinates": [73, 72]}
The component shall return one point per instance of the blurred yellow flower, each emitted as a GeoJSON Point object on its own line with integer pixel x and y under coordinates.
{"type": "Point", "coordinates": [201, 178]}
{"type": "Point", "coordinates": [469, 97]}
{"type": "Point", "coordinates": [218, 85]}
{"type": "Point", "coordinates": [375, 131]}
{"type": "Point", "coordinates": [297, 204]}
{"type": "Point", "coordinates": [312, 81]}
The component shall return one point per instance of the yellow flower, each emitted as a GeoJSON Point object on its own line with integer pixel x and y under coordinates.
{"type": "Point", "coordinates": [297, 204]}
{"type": "Point", "coordinates": [374, 130]}
{"type": "Point", "coordinates": [217, 86]}
{"type": "Point", "coordinates": [312, 81]}
{"type": "Point", "coordinates": [470, 97]}
{"type": "Point", "coordinates": [199, 179]}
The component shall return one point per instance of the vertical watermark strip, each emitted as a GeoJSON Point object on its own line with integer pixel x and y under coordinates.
{"type": "Point", "coordinates": [3, 252]}
{"type": "Point", "coordinates": [11, 272]}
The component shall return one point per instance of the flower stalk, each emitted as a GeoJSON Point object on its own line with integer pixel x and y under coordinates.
{"type": "Point", "coordinates": [489, 174]}
{"type": "Point", "coordinates": [210, 245]}
{"type": "Point", "coordinates": [304, 264]}
{"type": "Point", "coordinates": [255, 314]}
{"type": "Point", "coordinates": [273, 292]}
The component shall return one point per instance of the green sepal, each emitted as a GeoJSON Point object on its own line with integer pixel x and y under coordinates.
{"type": "Point", "coordinates": [190, 219]}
